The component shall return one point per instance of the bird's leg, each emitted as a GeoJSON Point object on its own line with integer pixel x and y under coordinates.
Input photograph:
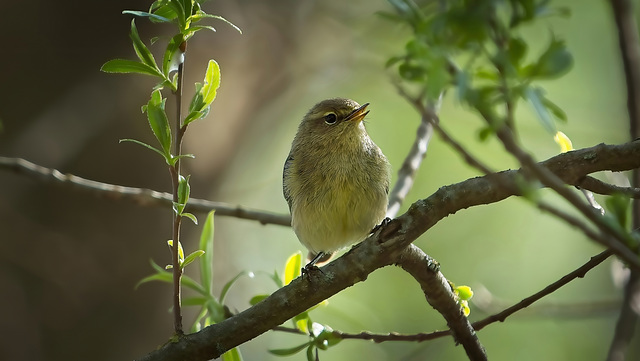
{"type": "Point", "coordinates": [320, 256]}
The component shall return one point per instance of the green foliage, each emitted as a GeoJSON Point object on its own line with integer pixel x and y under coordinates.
{"type": "Point", "coordinates": [475, 48]}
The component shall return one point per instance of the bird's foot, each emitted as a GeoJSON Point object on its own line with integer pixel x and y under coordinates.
{"type": "Point", "coordinates": [384, 222]}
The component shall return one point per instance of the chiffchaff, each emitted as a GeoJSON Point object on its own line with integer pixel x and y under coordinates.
{"type": "Point", "coordinates": [336, 179]}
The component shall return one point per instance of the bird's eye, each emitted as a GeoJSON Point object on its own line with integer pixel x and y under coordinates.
{"type": "Point", "coordinates": [330, 118]}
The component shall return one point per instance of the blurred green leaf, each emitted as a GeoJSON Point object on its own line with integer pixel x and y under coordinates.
{"type": "Point", "coordinates": [255, 299]}
{"type": "Point", "coordinates": [535, 96]}
{"type": "Point", "coordinates": [206, 244]}
{"type": "Point", "coordinates": [554, 62]}
{"type": "Point", "coordinates": [191, 217]}
{"type": "Point", "coordinates": [194, 301]}
{"type": "Point", "coordinates": [289, 351]}
{"type": "Point", "coordinates": [232, 355]}
{"type": "Point", "coordinates": [310, 355]}
{"type": "Point", "coordinates": [227, 286]}
{"type": "Point", "coordinates": [619, 206]}
{"type": "Point", "coordinates": [517, 50]}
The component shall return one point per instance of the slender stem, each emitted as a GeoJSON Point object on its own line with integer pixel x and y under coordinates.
{"type": "Point", "coordinates": [177, 219]}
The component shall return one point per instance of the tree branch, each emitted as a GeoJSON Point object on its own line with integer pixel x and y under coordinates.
{"type": "Point", "coordinates": [139, 196]}
{"type": "Point", "coordinates": [599, 187]}
{"type": "Point", "coordinates": [440, 296]}
{"type": "Point", "coordinates": [629, 44]}
{"type": "Point", "coordinates": [385, 247]}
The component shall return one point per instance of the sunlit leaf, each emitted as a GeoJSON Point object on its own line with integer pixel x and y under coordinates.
{"type": "Point", "coordinates": [156, 17]}
{"type": "Point", "coordinates": [563, 141]}
{"type": "Point", "coordinates": [192, 257]}
{"type": "Point", "coordinates": [124, 66]}
{"type": "Point", "coordinates": [206, 244]}
{"type": "Point", "coordinates": [158, 121]}
{"type": "Point", "coordinates": [293, 267]}
{"type": "Point", "coordinates": [141, 50]}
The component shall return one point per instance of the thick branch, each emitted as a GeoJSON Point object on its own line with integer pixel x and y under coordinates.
{"type": "Point", "coordinates": [384, 248]}
{"type": "Point", "coordinates": [440, 296]}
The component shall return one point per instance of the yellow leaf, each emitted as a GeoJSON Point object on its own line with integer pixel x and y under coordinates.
{"type": "Point", "coordinates": [292, 267]}
{"type": "Point", "coordinates": [563, 141]}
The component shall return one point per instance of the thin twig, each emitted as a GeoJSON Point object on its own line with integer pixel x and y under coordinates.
{"type": "Point", "coordinates": [141, 196]}
{"type": "Point", "coordinates": [413, 160]}
{"type": "Point", "coordinates": [599, 187]}
{"type": "Point", "coordinates": [177, 218]}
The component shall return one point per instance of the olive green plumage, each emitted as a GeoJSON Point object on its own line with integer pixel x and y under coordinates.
{"type": "Point", "coordinates": [336, 179]}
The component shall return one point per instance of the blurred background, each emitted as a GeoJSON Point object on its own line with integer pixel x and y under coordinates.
{"type": "Point", "coordinates": [70, 259]}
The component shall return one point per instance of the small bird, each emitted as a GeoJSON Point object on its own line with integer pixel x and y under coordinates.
{"type": "Point", "coordinates": [335, 179]}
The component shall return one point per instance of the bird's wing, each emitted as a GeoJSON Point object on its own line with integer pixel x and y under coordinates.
{"type": "Point", "coordinates": [285, 175]}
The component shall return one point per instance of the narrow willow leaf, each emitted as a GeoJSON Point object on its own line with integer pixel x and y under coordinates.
{"type": "Point", "coordinates": [184, 189]}
{"type": "Point", "coordinates": [192, 257]}
{"type": "Point", "coordinates": [159, 122]}
{"type": "Point", "coordinates": [534, 96]}
{"type": "Point", "coordinates": [156, 17]}
{"type": "Point", "coordinates": [191, 217]}
{"type": "Point", "coordinates": [144, 145]}
{"type": "Point", "coordinates": [289, 351]}
{"type": "Point", "coordinates": [163, 277]}
{"type": "Point", "coordinates": [129, 66]}
{"type": "Point", "coordinates": [227, 286]}
{"type": "Point", "coordinates": [201, 15]}
{"type": "Point", "coordinates": [194, 301]}
{"type": "Point", "coordinates": [206, 244]}
{"type": "Point", "coordinates": [141, 50]}
{"type": "Point", "coordinates": [292, 267]}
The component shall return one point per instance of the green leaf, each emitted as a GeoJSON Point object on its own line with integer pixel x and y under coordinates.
{"type": "Point", "coordinates": [156, 17]}
{"type": "Point", "coordinates": [184, 189]}
{"type": "Point", "coordinates": [173, 56]}
{"type": "Point", "coordinates": [163, 277]}
{"type": "Point", "coordinates": [192, 257]}
{"type": "Point", "coordinates": [194, 301]}
{"type": "Point", "coordinates": [517, 50]}
{"type": "Point", "coordinates": [619, 206]}
{"type": "Point", "coordinates": [124, 66]}
{"type": "Point", "coordinates": [310, 356]}
{"type": "Point", "coordinates": [225, 288]}
{"type": "Point", "coordinates": [144, 145]}
{"type": "Point", "coordinates": [292, 267]}
{"type": "Point", "coordinates": [256, 299]}
{"type": "Point", "coordinates": [206, 244]}
{"type": "Point", "coordinates": [554, 109]}
{"type": "Point", "coordinates": [141, 50]}
{"type": "Point", "coordinates": [190, 216]}
{"type": "Point", "coordinates": [290, 351]}
{"type": "Point", "coordinates": [159, 122]}
{"type": "Point", "coordinates": [554, 62]}
{"type": "Point", "coordinates": [206, 93]}
{"type": "Point", "coordinates": [201, 15]}
{"type": "Point", "coordinates": [232, 355]}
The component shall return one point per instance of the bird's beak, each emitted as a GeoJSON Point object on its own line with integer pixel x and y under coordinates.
{"type": "Point", "coordinates": [358, 114]}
